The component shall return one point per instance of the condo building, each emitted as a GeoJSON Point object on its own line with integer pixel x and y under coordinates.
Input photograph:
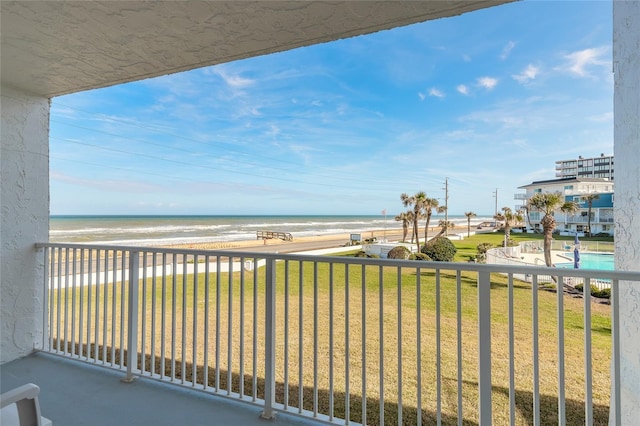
{"type": "Point", "coordinates": [581, 167]}
{"type": "Point", "coordinates": [575, 189]}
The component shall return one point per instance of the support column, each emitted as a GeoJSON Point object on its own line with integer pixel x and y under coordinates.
{"type": "Point", "coordinates": [626, 63]}
{"type": "Point", "coordinates": [24, 220]}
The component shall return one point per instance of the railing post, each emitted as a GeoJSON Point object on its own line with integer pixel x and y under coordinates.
{"type": "Point", "coordinates": [46, 262]}
{"type": "Point", "coordinates": [269, 344]}
{"type": "Point", "coordinates": [132, 323]}
{"type": "Point", "coordinates": [484, 348]}
{"type": "Point", "coordinates": [615, 416]}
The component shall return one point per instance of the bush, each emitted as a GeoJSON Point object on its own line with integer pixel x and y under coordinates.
{"type": "Point", "coordinates": [483, 247]}
{"type": "Point", "coordinates": [440, 249]}
{"type": "Point", "coordinates": [364, 254]}
{"type": "Point", "coordinates": [512, 243]}
{"type": "Point", "coordinates": [419, 256]}
{"type": "Point", "coordinates": [605, 293]}
{"type": "Point", "coordinates": [399, 252]}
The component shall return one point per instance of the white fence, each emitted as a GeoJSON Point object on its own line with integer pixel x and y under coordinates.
{"type": "Point", "coordinates": [340, 339]}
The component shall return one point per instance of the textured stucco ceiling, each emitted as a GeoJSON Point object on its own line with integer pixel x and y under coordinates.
{"type": "Point", "coordinates": [51, 48]}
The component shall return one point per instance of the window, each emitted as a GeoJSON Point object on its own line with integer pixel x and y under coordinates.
{"type": "Point", "coordinates": [568, 187]}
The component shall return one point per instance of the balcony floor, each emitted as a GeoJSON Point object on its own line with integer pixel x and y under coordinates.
{"type": "Point", "coordinates": [74, 393]}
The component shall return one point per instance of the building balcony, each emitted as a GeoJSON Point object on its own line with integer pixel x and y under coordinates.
{"type": "Point", "coordinates": [205, 336]}
{"type": "Point", "coordinates": [584, 219]}
{"type": "Point", "coordinates": [520, 197]}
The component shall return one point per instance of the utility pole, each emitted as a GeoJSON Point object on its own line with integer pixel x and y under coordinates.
{"type": "Point", "coordinates": [495, 195]}
{"type": "Point", "coordinates": [446, 206]}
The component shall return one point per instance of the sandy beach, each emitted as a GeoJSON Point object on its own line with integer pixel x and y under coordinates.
{"type": "Point", "coordinates": [309, 242]}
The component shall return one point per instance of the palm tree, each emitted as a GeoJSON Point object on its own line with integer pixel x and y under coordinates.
{"type": "Point", "coordinates": [547, 203]}
{"type": "Point", "coordinates": [405, 218]}
{"type": "Point", "coordinates": [469, 215]}
{"type": "Point", "coordinates": [416, 202]}
{"type": "Point", "coordinates": [429, 205]}
{"type": "Point", "coordinates": [589, 199]}
{"type": "Point", "coordinates": [526, 209]}
{"type": "Point", "coordinates": [510, 218]}
{"type": "Point", "coordinates": [444, 226]}
{"type": "Point", "coordinates": [413, 226]}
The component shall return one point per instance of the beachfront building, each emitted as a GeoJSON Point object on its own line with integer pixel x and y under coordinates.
{"type": "Point", "coordinates": [55, 48]}
{"type": "Point", "coordinates": [575, 189]}
{"type": "Point", "coordinates": [593, 167]}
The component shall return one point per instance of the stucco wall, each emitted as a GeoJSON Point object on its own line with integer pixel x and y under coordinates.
{"type": "Point", "coordinates": [24, 207]}
{"type": "Point", "coordinates": [626, 63]}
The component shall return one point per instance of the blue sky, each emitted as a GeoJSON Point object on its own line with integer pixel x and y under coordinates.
{"type": "Point", "coordinates": [489, 99]}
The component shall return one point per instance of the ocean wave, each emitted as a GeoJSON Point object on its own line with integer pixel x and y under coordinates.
{"type": "Point", "coordinates": [128, 231]}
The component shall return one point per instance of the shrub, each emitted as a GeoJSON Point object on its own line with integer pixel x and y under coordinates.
{"type": "Point", "coordinates": [440, 249]}
{"type": "Point", "coordinates": [512, 243]}
{"type": "Point", "coordinates": [399, 252]}
{"type": "Point", "coordinates": [483, 247]}
{"type": "Point", "coordinates": [605, 293]}
{"type": "Point", "coordinates": [419, 256]}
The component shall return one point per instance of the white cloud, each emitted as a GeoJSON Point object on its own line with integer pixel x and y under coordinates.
{"type": "Point", "coordinates": [507, 50]}
{"type": "Point", "coordinates": [602, 118]}
{"type": "Point", "coordinates": [580, 62]}
{"type": "Point", "coordinates": [273, 131]}
{"type": "Point", "coordinates": [233, 80]}
{"type": "Point", "coordinates": [435, 92]}
{"type": "Point", "coordinates": [487, 82]}
{"type": "Point", "coordinates": [111, 185]}
{"type": "Point", "coordinates": [421, 96]}
{"type": "Point", "coordinates": [466, 58]}
{"type": "Point", "coordinates": [520, 143]}
{"type": "Point", "coordinates": [527, 75]}
{"type": "Point", "coordinates": [462, 89]}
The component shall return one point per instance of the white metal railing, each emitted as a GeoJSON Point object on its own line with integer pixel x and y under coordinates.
{"type": "Point", "coordinates": [536, 246]}
{"type": "Point", "coordinates": [500, 256]}
{"type": "Point", "coordinates": [340, 339]}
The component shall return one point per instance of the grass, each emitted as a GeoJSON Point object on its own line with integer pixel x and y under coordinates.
{"type": "Point", "coordinates": [326, 336]}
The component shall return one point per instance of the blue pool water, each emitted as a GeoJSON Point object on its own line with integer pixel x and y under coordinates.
{"type": "Point", "coordinates": [601, 261]}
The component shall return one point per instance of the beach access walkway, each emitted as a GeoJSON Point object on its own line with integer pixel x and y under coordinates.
{"type": "Point", "coordinates": [269, 235]}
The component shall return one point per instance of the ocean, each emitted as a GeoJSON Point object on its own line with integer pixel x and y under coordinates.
{"type": "Point", "coordinates": [164, 230]}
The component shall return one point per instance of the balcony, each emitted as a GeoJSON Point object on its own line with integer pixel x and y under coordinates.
{"type": "Point", "coordinates": [323, 339]}
{"type": "Point", "coordinates": [585, 219]}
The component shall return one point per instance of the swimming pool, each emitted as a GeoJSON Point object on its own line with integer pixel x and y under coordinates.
{"type": "Point", "coordinates": [601, 261]}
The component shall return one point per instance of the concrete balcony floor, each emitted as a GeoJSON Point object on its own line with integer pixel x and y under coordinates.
{"type": "Point", "coordinates": [74, 393]}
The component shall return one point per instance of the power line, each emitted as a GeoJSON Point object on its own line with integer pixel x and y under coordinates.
{"type": "Point", "coordinates": [182, 137]}
{"type": "Point", "coordinates": [232, 149]}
